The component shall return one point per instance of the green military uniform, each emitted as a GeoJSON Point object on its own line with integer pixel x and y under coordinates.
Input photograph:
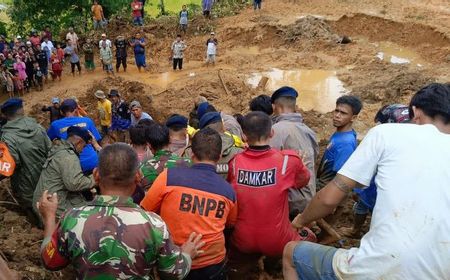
{"type": "Point", "coordinates": [114, 238]}
{"type": "Point", "coordinates": [62, 175]}
{"type": "Point", "coordinates": [162, 159]}
{"type": "Point", "coordinates": [29, 145]}
{"type": "Point", "coordinates": [229, 150]}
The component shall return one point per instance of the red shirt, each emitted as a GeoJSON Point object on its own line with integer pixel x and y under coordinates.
{"type": "Point", "coordinates": [262, 179]}
{"type": "Point", "coordinates": [136, 6]}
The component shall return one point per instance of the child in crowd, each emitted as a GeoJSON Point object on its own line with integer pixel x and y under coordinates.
{"type": "Point", "coordinates": [38, 77]}
{"type": "Point", "coordinates": [60, 53]}
{"type": "Point", "coordinates": [56, 66]}
{"type": "Point", "coordinates": [18, 83]}
{"type": "Point", "coordinates": [9, 84]}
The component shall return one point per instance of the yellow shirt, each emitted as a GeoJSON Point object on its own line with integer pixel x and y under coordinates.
{"type": "Point", "coordinates": [237, 140]}
{"type": "Point", "coordinates": [97, 11]}
{"type": "Point", "coordinates": [105, 112]}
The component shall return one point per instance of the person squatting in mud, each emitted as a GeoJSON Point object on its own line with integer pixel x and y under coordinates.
{"type": "Point", "coordinates": [238, 182]}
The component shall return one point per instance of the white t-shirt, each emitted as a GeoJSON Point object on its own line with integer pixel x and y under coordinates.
{"type": "Point", "coordinates": [73, 38]}
{"type": "Point", "coordinates": [108, 43]}
{"type": "Point", "coordinates": [409, 235]}
{"type": "Point", "coordinates": [211, 48]}
{"type": "Point", "coordinates": [134, 120]}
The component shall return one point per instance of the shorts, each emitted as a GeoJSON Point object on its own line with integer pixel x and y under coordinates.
{"type": "Point", "coordinates": [89, 64]}
{"type": "Point", "coordinates": [211, 58]}
{"type": "Point", "coordinates": [99, 24]}
{"type": "Point", "coordinates": [359, 208]}
{"type": "Point", "coordinates": [314, 261]}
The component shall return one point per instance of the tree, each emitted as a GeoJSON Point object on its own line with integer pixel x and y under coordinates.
{"type": "Point", "coordinates": [28, 14]}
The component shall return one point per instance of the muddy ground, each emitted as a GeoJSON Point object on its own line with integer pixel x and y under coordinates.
{"type": "Point", "coordinates": [286, 35]}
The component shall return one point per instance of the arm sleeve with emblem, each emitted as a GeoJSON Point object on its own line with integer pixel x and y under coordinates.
{"type": "Point", "coordinates": [155, 195]}
{"type": "Point", "coordinates": [52, 253]}
{"type": "Point", "coordinates": [73, 178]}
{"type": "Point", "coordinates": [173, 264]}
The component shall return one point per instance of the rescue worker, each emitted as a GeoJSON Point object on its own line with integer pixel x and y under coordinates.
{"type": "Point", "coordinates": [290, 133]}
{"type": "Point", "coordinates": [158, 138]}
{"type": "Point", "coordinates": [55, 113]}
{"type": "Point", "coordinates": [261, 177]}
{"type": "Point", "coordinates": [197, 199]}
{"type": "Point", "coordinates": [179, 138]}
{"type": "Point", "coordinates": [135, 241]}
{"type": "Point", "coordinates": [229, 122]}
{"type": "Point", "coordinates": [58, 130]}
{"type": "Point", "coordinates": [62, 172]}
{"type": "Point", "coordinates": [229, 150]}
{"type": "Point", "coordinates": [29, 145]}
{"type": "Point", "coordinates": [343, 142]}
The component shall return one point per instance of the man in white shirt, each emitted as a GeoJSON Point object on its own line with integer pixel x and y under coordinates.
{"type": "Point", "coordinates": [137, 114]}
{"type": "Point", "coordinates": [104, 39]}
{"type": "Point", "coordinates": [211, 49]}
{"type": "Point", "coordinates": [73, 37]}
{"type": "Point", "coordinates": [409, 232]}
{"type": "Point", "coordinates": [48, 47]}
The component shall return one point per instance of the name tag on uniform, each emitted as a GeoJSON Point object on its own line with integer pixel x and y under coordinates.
{"type": "Point", "coordinates": [261, 178]}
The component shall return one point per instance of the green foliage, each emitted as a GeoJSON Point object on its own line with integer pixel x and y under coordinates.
{"type": "Point", "coordinates": [3, 28]}
{"type": "Point", "coordinates": [28, 14]}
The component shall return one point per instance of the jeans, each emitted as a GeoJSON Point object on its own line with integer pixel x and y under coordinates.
{"type": "Point", "coordinates": [314, 261]}
{"type": "Point", "coordinates": [257, 4]}
{"type": "Point", "coordinates": [98, 24]}
{"type": "Point", "coordinates": [138, 21]}
{"type": "Point", "coordinates": [123, 61]}
{"type": "Point", "coordinates": [177, 62]}
{"type": "Point", "coordinates": [211, 272]}
{"type": "Point", "coordinates": [72, 65]}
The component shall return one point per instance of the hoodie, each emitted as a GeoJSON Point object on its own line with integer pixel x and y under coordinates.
{"type": "Point", "coordinates": [292, 134]}
{"type": "Point", "coordinates": [29, 145]}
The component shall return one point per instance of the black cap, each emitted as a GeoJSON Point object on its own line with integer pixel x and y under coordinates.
{"type": "Point", "coordinates": [113, 92]}
{"type": "Point", "coordinates": [80, 132]}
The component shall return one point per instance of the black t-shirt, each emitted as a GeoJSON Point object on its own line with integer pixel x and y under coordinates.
{"type": "Point", "coordinates": [42, 59]}
{"type": "Point", "coordinates": [121, 48]}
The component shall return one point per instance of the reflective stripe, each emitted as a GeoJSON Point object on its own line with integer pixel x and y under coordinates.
{"type": "Point", "coordinates": [285, 162]}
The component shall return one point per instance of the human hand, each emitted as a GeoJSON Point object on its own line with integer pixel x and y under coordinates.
{"type": "Point", "coordinates": [297, 223]}
{"type": "Point", "coordinates": [47, 205]}
{"type": "Point", "coordinates": [192, 245]}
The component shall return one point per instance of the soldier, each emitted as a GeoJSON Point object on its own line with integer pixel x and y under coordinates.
{"type": "Point", "coordinates": [111, 237]}
{"type": "Point", "coordinates": [290, 133]}
{"type": "Point", "coordinates": [197, 199]}
{"type": "Point", "coordinates": [28, 144]}
{"type": "Point", "coordinates": [229, 150]}
{"type": "Point", "coordinates": [158, 139]}
{"type": "Point", "coordinates": [62, 172]}
{"type": "Point", "coordinates": [179, 138]}
{"type": "Point", "coordinates": [58, 130]}
{"type": "Point", "coordinates": [261, 177]}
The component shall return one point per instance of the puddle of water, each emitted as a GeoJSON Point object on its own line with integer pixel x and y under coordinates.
{"type": "Point", "coordinates": [318, 89]}
{"type": "Point", "coordinates": [398, 55]}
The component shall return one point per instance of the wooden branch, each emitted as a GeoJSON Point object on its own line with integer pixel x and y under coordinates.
{"type": "Point", "coordinates": [223, 83]}
{"type": "Point", "coordinates": [10, 193]}
{"type": "Point", "coordinates": [334, 235]}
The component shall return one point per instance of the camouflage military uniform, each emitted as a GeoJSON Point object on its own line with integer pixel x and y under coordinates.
{"type": "Point", "coordinates": [162, 159]}
{"type": "Point", "coordinates": [113, 238]}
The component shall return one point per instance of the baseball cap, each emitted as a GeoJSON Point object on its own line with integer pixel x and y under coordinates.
{"type": "Point", "coordinates": [69, 103]}
{"type": "Point", "coordinates": [80, 132]}
{"type": "Point", "coordinates": [55, 100]}
{"type": "Point", "coordinates": [19, 37]}
{"type": "Point", "coordinates": [103, 35]}
{"type": "Point", "coordinates": [135, 103]}
{"type": "Point", "coordinates": [394, 113]}
{"type": "Point", "coordinates": [212, 33]}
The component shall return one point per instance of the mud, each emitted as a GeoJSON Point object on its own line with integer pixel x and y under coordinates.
{"type": "Point", "coordinates": [286, 37]}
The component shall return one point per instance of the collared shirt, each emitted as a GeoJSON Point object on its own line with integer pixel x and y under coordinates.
{"type": "Point", "coordinates": [178, 48]}
{"type": "Point", "coordinates": [114, 238]}
{"type": "Point", "coordinates": [162, 159]}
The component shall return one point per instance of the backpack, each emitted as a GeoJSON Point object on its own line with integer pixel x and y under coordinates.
{"type": "Point", "coordinates": [7, 163]}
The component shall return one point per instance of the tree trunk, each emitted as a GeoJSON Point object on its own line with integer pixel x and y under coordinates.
{"type": "Point", "coordinates": [162, 7]}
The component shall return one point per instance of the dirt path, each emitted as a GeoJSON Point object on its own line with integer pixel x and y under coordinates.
{"type": "Point", "coordinates": [281, 43]}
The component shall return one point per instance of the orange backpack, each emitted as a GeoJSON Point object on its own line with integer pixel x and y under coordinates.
{"type": "Point", "coordinates": [7, 163]}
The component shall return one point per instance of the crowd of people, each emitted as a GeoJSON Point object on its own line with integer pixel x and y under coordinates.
{"type": "Point", "coordinates": [202, 197]}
